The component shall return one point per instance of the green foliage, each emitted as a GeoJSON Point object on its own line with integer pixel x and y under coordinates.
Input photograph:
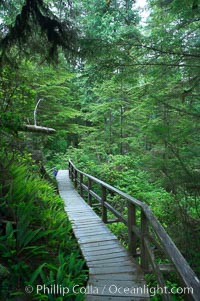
{"type": "Point", "coordinates": [35, 21]}
{"type": "Point", "coordinates": [36, 243]}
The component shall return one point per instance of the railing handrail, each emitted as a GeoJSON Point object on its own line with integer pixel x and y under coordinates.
{"type": "Point", "coordinates": [182, 267]}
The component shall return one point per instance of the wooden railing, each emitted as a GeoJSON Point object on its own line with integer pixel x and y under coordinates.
{"type": "Point", "coordinates": [143, 227]}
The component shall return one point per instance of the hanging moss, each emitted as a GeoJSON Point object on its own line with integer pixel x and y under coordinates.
{"type": "Point", "coordinates": [34, 17]}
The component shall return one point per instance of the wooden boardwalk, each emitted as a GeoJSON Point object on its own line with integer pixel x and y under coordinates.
{"type": "Point", "coordinates": [113, 274]}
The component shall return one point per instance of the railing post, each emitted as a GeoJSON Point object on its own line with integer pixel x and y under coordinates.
{"type": "Point", "coordinates": [131, 223]}
{"type": "Point", "coordinates": [72, 173]}
{"type": "Point", "coordinates": [70, 170]}
{"type": "Point", "coordinates": [144, 251]}
{"type": "Point", "coordinates": [103, 200]}
{"type": "Point", "coordinates": [75, 178]}
{"type": "Point", "coordinates": [89, 195]}
{"type": "Point", "coordinates": [81, 182]}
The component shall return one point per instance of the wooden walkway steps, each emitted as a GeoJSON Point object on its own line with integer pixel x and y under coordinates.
{"type": "Point", "coordinates": [113, 274]}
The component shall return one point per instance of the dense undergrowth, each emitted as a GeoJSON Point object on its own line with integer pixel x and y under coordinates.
{"type": "Point", "coordinates": [178, 215]}
{"type": "Point", "coordinates": [37, 246]}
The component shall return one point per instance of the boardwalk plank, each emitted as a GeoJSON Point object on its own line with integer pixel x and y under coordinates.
{"type": "Point", "coordinates": [110, 263]}
{"type": "Point", "coordinates": [104, 251]}
{"type": "Point", "coordinates": [115, 270]}
{"type": "Point", "coordinates": [118, 260]}
{"type": "Point", "coordinates": [91, 233]}
{"type": "Point", "coordinates": [106, 256]}
{"type": "Point", "coordinates": [102, 245]}
{"type": "Point", "coordinates": [99, 238]}
{"type": "Point", "coordinates": [124, 277]}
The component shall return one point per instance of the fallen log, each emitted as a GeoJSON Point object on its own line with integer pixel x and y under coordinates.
{"type": "Point", "coordinates": [36, 128]}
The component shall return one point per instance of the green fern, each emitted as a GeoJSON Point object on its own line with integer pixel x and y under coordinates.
{"type": "Point", "coordinates": [37, 244]}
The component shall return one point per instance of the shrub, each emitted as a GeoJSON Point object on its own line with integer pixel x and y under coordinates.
{"type": "Point", "coordinates": [36, 241]}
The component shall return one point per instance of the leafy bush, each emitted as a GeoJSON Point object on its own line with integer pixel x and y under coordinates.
{"type": "Point", "coordinates": [36, 241]}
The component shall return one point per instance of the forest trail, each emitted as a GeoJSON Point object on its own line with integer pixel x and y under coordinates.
{"type": "Point", "coordinates": [113, 274]}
